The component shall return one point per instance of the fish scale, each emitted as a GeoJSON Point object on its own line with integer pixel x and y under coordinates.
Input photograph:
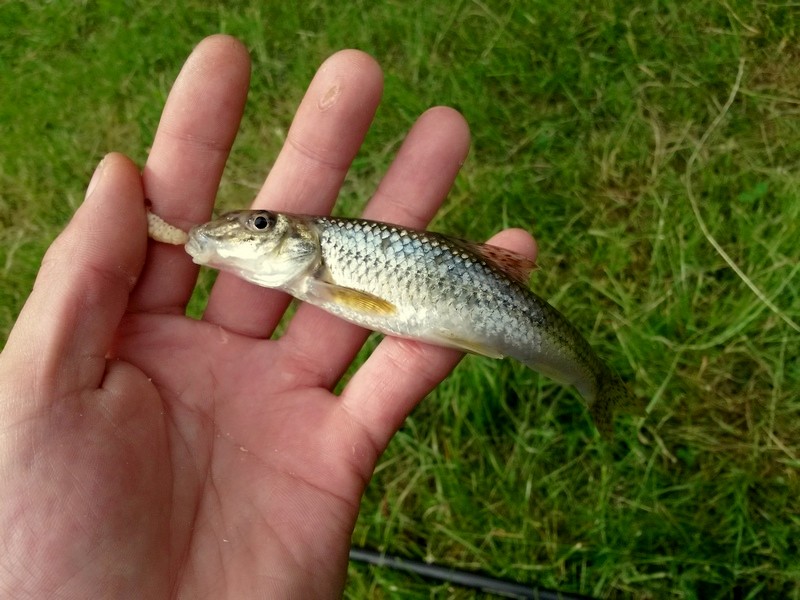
{"type": "Point", "coordinates": [424, 276]}
{"type": "Point", "coordinates": [414, 284]}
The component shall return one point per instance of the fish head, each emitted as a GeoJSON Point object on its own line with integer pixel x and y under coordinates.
{"type": "Point", "coordinates": [264, 247]}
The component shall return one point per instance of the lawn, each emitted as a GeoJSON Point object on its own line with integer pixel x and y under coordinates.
{"type": "Point", "coordinates": [653, 148]}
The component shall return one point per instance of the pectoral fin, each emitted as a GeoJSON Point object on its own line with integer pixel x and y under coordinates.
{"type": "Point", "coordinates": [361, 302]}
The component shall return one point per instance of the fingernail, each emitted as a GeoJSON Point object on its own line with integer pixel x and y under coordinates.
{"type": "Point", "coordinates": [98, 173]}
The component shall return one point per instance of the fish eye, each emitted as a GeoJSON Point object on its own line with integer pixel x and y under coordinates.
{"type": "Point", "coordinates": [261, 222]}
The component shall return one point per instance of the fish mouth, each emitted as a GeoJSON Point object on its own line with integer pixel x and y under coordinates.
{"type": "Point", "coordinates": [199, 248]}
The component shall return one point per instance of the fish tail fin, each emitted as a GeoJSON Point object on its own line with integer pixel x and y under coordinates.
{"type": "Point", "coordinates": [612, 395]}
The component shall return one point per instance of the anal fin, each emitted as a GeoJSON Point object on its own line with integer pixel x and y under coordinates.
{"type": "Point", "coordinates": [448, 338]}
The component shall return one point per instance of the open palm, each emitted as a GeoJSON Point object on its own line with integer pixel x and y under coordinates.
{"type": "Point", "coordinates": [147, 454]}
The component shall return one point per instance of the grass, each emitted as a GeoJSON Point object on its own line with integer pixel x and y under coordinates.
{"type": "Point", "coordinates": [592, 127]}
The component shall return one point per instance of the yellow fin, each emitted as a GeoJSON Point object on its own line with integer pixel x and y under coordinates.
{"type": "Point", "coordinates": [362, 302]}
{"type": "Point", "coordinates": [517, 266]}
{"type": "Point", "coordinates": [447, 338]}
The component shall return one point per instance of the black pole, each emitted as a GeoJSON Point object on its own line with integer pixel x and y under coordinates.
{"type": "Point", "coordinates": [477, 581]}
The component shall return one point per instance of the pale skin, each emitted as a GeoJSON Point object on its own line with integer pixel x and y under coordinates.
{"type": "Point", "coordinates": [144, 454]}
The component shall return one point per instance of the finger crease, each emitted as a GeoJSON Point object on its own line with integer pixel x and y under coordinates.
{"type": "Point", "coordinates": [410, 216]}
{"type": "Point", "coordinates": [316, 156]}
{"type": "Point", "coordinates": [204, 143]}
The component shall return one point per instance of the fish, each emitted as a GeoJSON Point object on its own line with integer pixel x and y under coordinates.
{"type": "Point", "coordinates": [413, 284]}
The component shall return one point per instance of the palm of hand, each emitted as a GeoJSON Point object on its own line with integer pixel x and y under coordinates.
{"type": "Point", "coordinates": [192, 470]}
{"type": "Point", "coordinates": [259, 463]}
{"type": "Point", "coordinates": [150, 455]}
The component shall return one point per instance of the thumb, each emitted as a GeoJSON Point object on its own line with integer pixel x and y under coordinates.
{"type": "Point", "coordinates": [68, 323]}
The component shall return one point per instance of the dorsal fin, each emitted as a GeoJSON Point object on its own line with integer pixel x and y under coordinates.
{"type": "Point", "coordinates": [517, 266]}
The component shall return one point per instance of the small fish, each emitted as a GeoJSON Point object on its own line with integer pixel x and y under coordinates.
{"type": "Point", "coordinates": [413, 284]}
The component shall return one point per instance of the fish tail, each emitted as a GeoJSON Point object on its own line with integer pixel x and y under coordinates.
{"type": "Point", "coordinates": [612, 395]}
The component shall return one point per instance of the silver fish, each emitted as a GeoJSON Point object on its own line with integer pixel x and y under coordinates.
{"type": "Point", "coordinates": [413, 284]}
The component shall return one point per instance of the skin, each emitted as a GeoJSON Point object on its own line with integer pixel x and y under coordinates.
{"type": "Point", "coordinates": [146, 454]}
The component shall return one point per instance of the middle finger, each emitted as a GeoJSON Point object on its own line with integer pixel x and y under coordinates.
{"type": "Point", "coordinates": [409, 194]}
{"type": "Point", "coordinates": [325, 135]}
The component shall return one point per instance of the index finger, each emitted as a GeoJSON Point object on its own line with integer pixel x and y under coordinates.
{"type": "Point", "coordinates": [182, 173]}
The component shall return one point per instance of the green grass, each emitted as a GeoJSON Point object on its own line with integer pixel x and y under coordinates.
{"type": "Point", "coordinates": [585, 117]}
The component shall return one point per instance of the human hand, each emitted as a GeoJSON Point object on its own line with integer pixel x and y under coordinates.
{"type": "Point", "coordinates": [147, 454]}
